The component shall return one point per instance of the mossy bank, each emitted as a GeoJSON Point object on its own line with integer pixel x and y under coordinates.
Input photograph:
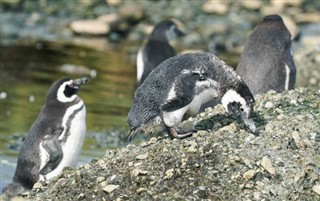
{"type": "Point", "coordinates": [222, 161]}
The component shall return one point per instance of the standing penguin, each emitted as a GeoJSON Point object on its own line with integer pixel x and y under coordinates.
{"type": "Point", "coordinates": [157, 49]}
{"type": "Point", "coordinates": [267, 62]}
{"type": "Point", "coordinates": [55, 138]}
{"type": "Point", "coordinates": [182, 84]}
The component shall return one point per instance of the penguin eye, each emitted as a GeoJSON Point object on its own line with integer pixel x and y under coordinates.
{"type": "Point", "coordinates": [241, 109]}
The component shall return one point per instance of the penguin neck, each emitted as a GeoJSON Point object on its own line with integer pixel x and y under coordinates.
{"type": "Point", "coordinates": [158, 36]}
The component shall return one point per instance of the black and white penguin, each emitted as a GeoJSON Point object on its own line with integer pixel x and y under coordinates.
{"type": "Point", "coordinates": [181, 85]}
{"type": "Point", "coordinates": [267, 62]}
{"type": "Point", "coordinates": [55, 139]}
{"type": "Point", "coordinates": [157, 48]}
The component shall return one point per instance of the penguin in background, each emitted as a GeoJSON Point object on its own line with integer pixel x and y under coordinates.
{"type": "Point", "coordinates": [181, 85]}
{"type": "Point", "coordinates": [55, 139]}
{"type": "Point", "coordinates": [157, 48]}
{"type": "Point", "coordinates": [267, 60]}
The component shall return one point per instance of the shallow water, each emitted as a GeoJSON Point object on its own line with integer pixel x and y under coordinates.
{"type": "Point", "coordinates": [28, 70]}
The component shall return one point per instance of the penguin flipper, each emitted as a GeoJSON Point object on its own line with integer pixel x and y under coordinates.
{"type": "Point", "coordinates": [54, 149]}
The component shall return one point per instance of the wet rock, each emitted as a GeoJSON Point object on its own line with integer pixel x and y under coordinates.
{"type": "Point", "coordinates": [251, 5]}
{"type": "Point", "coordinates": [215, 7]}
{"type": "Point", "coordinates": [113, 2]}
{"type": "Point", "coordinates": [132, 13]}
{"type": "Point", "coordinates": [90, 27]}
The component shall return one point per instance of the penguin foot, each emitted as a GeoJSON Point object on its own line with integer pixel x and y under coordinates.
{"type": "Point", "coordinates": [177, 133]}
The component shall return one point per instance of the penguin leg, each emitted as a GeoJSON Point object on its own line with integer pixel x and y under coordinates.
{"type": "Point", "coordinates": [52, 146]}
{"type": "Point", "coordinates": [174, 134]}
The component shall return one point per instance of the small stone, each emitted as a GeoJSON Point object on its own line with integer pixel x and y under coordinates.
{"type": "Point", "coordinates": [299, 177]}
{"type": "Point", "coordinates": [142, 156]}
{"type": "Point", "coordinates": [137, 172]}
{"type": "Point", "coordinates": [266, 163]}
{"type": "Point", "coordinates": [153, 140]}
{"type": "Point", "coordinates": [316, 189]}
{"type": "Point", "coordinates": [62, 182]}
{"type": "Point", "coordinates": [256, 195]}
{"type": "Point", "coordinates": [141, 190]}
{"type": "Point", "coordinates": [269, 105]}
{"type": "Point", "coordinates": [87, 166]}
{"type": "Point", "coordinates": [169, 173]}
{"type": "Point", "coordinates": [295, 135]}
{"type": "Point", "coordinates": [294, 102]}
{"type": "Point", "coordinates": [110, 188]}
{"type": "Point", "coordinates": [37, 185]}
{"type": "Point", "coordinates": [249, 174]}
{"type": "Point", "coordinates": [100, 179]}
{"type": "Point", "coordinates": [192, 148]}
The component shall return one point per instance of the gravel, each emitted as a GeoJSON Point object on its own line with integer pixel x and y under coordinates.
{"type": "Point", "coordinates": [222, 161]}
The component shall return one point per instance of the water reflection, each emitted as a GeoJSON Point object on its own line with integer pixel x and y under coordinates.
{"type": "Point", "coordinates": [27, 71]}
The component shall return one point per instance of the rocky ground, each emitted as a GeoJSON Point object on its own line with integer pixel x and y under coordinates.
{"type": "Point", "coordinates": [222, 161]}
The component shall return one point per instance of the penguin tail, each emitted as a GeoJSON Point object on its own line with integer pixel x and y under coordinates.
{"type": "Point", "coordinates": [131, 135]}
{"type": "Point", "coordinates": [13, 189]}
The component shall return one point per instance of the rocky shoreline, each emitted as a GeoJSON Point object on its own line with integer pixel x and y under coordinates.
{"type": "Point", "coordinates": [222, 161]}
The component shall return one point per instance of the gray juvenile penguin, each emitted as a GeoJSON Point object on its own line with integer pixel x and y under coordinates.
{"type": "Point", "coordinates": [267, 62]}
{"type": "Point", "coordinates": [157, 48]}
{"type": "Point", "coordinates": [55, 139]}
{"type": "Point", "coordinates": [181, 85]}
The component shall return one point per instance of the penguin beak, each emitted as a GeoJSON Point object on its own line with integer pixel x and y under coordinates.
{"type": "Point", "coordinates": [78, 82]}
{"type": "Point", "coordinates": [234, 108]}
{"type": "Point", "coordinates": [249, 123]}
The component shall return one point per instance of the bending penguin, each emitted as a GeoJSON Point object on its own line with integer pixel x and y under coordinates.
{"type": "Point", "coordinates": [181, 85]}
{"type": "Point", "coordinates": [157, 48]}
{"type": "Point", "coordinates": [267, 62]}
{"type": "Point", "coordinates": [55, 139]}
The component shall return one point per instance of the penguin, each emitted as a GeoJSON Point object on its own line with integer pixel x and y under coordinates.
{"type": "Point", "coordinates": [181, 85]}
{"type": "Point", "coordinates": [54, 140]}
{"type": "Point", "coordinates": [157, 48]}
{"type": "Point", "coordinates": [267, 59]}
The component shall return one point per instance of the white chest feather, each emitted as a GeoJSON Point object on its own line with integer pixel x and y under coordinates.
{"type": "Point", "coordinates": [175, 117]}
{"type": "Point", "coordinates": [140, 65]}
{"type": "Point", "coordinates": [71, 139]}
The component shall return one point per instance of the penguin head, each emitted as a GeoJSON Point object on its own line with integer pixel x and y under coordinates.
{"type": "Point", "coordinates": [239, 101]}
{"type": "Point", "coordinates": [168, 30]}
{"type": "Point", "coordinates": [65, 90]}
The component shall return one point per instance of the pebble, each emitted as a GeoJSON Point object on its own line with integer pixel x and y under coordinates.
{"type": "Point", "coordinates": [37, 185]}
{"type": "Point", "coordinates": [316, 189]}
{"type": "Point", "coordinates": [266, 163]}
{"type": "Point", "coordinates": [142, 156]}
{"type": "Point", "coordinates": [169, 173]}
{"type": "Point", "coordinates": [137, 171]}
{"type": "Point", "coordinates": [249, 174]}
{"type": "Point", "coordinates": [269, 105]}
{"type": "Point", "coordinates": [110, 188]}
